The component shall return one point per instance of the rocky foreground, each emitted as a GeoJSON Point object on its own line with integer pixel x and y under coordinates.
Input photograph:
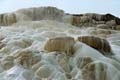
{"type": "Point", "coordinates": [46, 43]}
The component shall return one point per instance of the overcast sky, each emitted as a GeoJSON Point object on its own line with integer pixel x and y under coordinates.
{"type": "Point", "coordinates": [69, 6]}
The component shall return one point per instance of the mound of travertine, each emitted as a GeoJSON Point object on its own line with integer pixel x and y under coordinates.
{"type": "Point", "coordinates": [31, 14]}
{"type": "Point", "coordinates": [26, 58]}
{"type": "Point", "coordinates": [63, 44]}
{"type": "Point", "coordinates": [97, 43]}
{"type": "Point", "coordinates": [66, 44]}
{"type": "Point", "coordinates": [105, 21]}
{"type": "Point", "coordinates": [90, 68]}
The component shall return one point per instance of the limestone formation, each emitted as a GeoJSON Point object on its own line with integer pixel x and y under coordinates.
{"type": "Point", "coordinates": [7, 62]}
{"type": "Point", "coordinates": [95, 71]}
{"type": "Point", "coordinates": [83, 61]}
{"type": "Point", "coordinates": [63, 61]}
{"type": "Point", "coordinates": [44, 71]}
{"type": "Point", "coordinates": [42, 13]}
{"type": "Point", "coordinates": [7, 19]}
{"type": "Point", "coordinates": [104, 33]}
{"type": "Point", "coordinates": [23, 43]}
{"type": "Point", "coordinates": [2, 45]}
{"type": "Point", "coordinates": [76, 20]}
{"type": "Point", "coordinates": [52, 13]}
{"type": "Point", "coordinates": [92, 19]}
{"type": "Point", "coordinates": [97, 43]}
{"type": "Point", "coordinates": [26, 58]}
{"type": "Point", "coordinates": [63, 44]}
{"type": "Point", "coordinates": [117, 27]}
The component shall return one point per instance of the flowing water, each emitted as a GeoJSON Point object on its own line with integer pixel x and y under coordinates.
{"type": "Point", "coordinates": [22, 54]}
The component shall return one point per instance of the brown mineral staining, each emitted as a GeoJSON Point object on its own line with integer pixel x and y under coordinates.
{"type": "Point", "coordinates": [63, 44]}
{"type": "Point", "coordinates": [26, 58]}
{"type": "Point", "coordinates": [7, 62]}
{"type": "Point", "coordinates": [95, 71]}
{"type": "Point", "coordinates": [97, 43]}
{"type": "Point", "coordinates": [2, 45]}
{"type": "Point", "coordinates": [76, 20]}
{"type": "Point", "coordinates": [44, 71]}
{"type": "Point", "coordinates": [7, 19]}
{"type": "Point", "coordinates": [83, 61]}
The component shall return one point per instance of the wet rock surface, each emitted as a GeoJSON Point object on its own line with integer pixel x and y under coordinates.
{"type": "Point", "coordinates": [47, 44]}
{"type": "Point", "coordinates": [105, 21]}
{"type": "Point", "coordinates": [63, 44]}
{"type": "Point", "coordinates": [101, 45]}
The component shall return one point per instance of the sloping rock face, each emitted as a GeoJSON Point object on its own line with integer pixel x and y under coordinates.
{"type": "Point", "coordinates": [90, 69]}
{"type": "Point", "coordinates": [99, 44]}
{"type": "Point", "coordinates": [7, 19]}
{"type": "Point", "coordinates": [105, 21]}
{"type": "Point", "coordinates": [37, 50]}
{"type": "Point", "coordinates": [63, 44]}
{"type": "Point", "coordinates": [31, 14]}
{"type": "Point", "coordinates": [42, 13]}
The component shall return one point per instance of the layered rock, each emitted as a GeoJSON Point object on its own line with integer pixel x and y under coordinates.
{"type": "Point", "coordinates": [42, 13]}
{"type": "Point", "coordinates": [92, 70]}
{"type": "Point", "coordinates": [63, 44]}
{"type": "Point", "coordinates": [2, 45]}
{"type": "Point", "coordinates": [7, 62]}
{"type": "Point", "coordinates": [106, 21]}
{"type": "Point", "coordinates": [104, 33]}
{"type": "Point", "coordinates": [52, 13]}
{"type": "Point", "coordinates": [44, 71]}
{"type": "Point", "coordinates": [95, 71]}
{"type": "Point", "coordinates": [97, 43]}
{"type": "Point", "coordinates": [26, 58]}
{"type": "Point", "coordinates": [31, 14]}
{"type": "Point", "coordinates": [7, 19]}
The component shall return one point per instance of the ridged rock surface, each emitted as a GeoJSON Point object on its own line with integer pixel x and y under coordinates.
{"type": "Point", "coordinates": [105, 21]}
{"type": "Point", "coordinates": [101, 45]}
{"type": "Point", "coordinates": [47, 44]}
{"type": "Point", "coordinates": [7, 19]}
{"type": "Point", "coordinates": [31, 14]}
{"type": "Point", "coordinates": [63, 44]}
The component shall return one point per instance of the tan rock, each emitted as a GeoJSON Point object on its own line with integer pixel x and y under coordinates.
{"type": "Point", "coordinates": [2, 45]}
{"type": "Point", "coordinates": [117, 27]}
{"type": "Point", "coordinates": [95, 71]}
{"type": "Point", "coordinates": [63, 61]}
{"type": "Point", "coordinates": [76, 20]}
{"type": "Point", "coordinates": [94, 16]}
{"type": "Point", "coordinates": [7, 62]}
{"type": "Point", "coordinates": [104, 33]}
{"type": "Point", "coordinates": [63, 44]}
{"type": "Point", "coordinates": [44, 71]}
{"type": "Point", "coordinates": [103, 26]}
{"type": "Point", "coordinates": [42, 13]}
{"type": "Point", "coordinates": [97, 43]}
{"type": "Point", "coordinates": [37, 66]}
{"type": "Point", "coordinates": [7, 19]}
{"type": "Point", "coordinates": [83, 61]}
{"type": "Point", "coordinates": [27, 58]}
{"type": "Point", "coordinates": [23, 43]}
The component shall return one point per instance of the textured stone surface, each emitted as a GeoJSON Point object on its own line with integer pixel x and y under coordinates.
{"type": "Point", "coordinates": [44, 71]}
{"type": "Point", "coordinates": [52, 13]}
{"type": "Point", "coordinates": [7, 62]}
{"type": "Point", "coordinates": [97, 43]}
{"type": "Point", "coordinates": [36, 50]}
{"type": "Point", "coordinates": [95, 71]}
{"type": "Point", "coordinates": [63, 44]}
{"type": "Point", "coordinates": [7, 19]}
{"type": "Point", "coordinates": [26, 58]}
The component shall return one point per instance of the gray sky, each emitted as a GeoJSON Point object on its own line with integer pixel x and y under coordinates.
{"type": "Point", "coordinates": [69, 6]}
